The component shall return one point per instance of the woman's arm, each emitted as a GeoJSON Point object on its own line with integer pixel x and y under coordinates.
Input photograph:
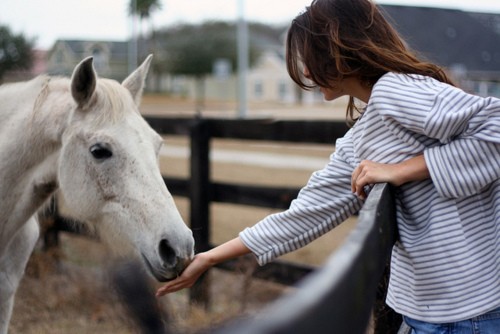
{"type": "Point", "coordinates": [202, 262]}
{"type": "Point", "coordinates": [322, 204]}
{"type": "Point", "coordinates": [370, 172]}
{"type": "Point", "coordinates": [467, 157]}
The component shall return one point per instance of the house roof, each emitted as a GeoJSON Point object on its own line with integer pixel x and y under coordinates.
{"type": "Point", "coordinates": [450, 38]}
{"type": "Point", "coordinates": [118, 50]}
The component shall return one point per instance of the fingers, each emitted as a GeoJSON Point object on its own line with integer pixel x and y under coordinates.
{"type": "Point", "coordinates": [358, 181]}
{"type": "Point", "coordinates": [163, 291]}
{"type": "Point", "coordinates": [181, 282]}
{"type": "Point", "coordinates": [173, 286]}
{"type": "Point", "coordinates": [354, 177]}
{"type": "Point", "coordinates": [187, 278]}
{"type": "Point", "coordinates": [370, 172]}
{"type": "Point", "coordinates": [361, 177]}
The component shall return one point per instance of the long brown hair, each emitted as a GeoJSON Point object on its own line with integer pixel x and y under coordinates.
{"type": "Point", "coordinates": [335, 39]}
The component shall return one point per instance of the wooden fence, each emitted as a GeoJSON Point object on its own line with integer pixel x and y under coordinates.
{"type": "Point", "coordinates": [341, 294]}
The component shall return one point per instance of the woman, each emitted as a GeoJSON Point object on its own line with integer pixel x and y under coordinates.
{"type": "Point", "coordinates": [439, 145]}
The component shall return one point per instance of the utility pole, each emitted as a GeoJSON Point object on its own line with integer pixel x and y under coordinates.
{"type": "Point", "coordinates": [132, 43]}
{"type": "Point", "coordinates": [242, 40]}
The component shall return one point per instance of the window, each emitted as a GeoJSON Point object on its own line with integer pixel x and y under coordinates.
{"type": "Point", "coordinates": [282, 90]}
{"type": "Point", "coordinates": [258, 89]}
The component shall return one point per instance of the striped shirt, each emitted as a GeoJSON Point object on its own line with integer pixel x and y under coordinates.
{"type": "Point", "coordinates": [446, 265]}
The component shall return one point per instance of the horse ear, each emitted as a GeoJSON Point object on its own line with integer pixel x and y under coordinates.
{"type": "Point", "coordinates": [135, 81]}
{"type": "Point", "coordinates": [83, 81]}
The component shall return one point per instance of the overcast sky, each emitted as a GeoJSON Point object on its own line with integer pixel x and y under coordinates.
{"type": "Point", "coordinates": [49, 20]}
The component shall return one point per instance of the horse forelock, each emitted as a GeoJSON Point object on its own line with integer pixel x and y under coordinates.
{"type": "Point", "coordinates": [112, 101]}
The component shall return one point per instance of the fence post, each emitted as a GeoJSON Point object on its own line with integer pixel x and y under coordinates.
{"type": "Point", "coordinates": [199, 195]}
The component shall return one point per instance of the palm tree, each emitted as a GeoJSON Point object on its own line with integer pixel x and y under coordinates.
{"type": "Point", "coordinates": [143, 9]}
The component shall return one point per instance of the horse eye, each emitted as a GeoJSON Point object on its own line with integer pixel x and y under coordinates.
{"type": "Point", "coordinates": [100, 152]}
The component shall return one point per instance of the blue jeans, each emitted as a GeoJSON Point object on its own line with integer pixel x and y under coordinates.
{"type": "Point", "coordinates": [488, 323]}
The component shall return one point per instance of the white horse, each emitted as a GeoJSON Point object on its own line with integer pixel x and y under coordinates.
{"type": "Point", "coordinates": [85, 138]}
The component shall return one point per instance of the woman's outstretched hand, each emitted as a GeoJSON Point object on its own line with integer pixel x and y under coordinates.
{"type": "Point", "coordinates": [202, 262]}
{"type": "Point", "coordinates": [193, 271]}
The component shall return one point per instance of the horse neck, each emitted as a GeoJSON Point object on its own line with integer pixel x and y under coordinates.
{"type": "Point", "coordinates": [46, 124]}
{"type": "Point", "coordinates": [34, 114]}
{"type": "Point", "coordinates": [30, 148]}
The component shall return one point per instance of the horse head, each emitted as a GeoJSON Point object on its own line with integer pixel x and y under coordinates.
{"type": "Point", "coordinates": [109, 174]}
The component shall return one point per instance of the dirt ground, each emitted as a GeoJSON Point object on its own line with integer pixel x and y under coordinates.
{"type": "Point", "coordinates": [68, 290]}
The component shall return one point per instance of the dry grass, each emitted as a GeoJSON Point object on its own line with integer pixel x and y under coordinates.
{"type": "Point", "coordinates": [65, 291]}
{"type": "Point", "coordinates": [68, 291]}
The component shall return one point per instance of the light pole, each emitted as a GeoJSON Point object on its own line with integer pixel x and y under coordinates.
{"type": "Point", "coordinates": [242, 40]}
{"type": "Point", "coordinates": [132, 43]}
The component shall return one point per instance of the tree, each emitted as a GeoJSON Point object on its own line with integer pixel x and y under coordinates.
{"type": "Point", "coordinates": [143, 8]}
{"type": "Point", "coordinates": [15, 51]}
{"type": "Point", "coordinates": [193, 49]}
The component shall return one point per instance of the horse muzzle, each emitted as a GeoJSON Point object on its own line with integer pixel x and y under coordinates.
{"type": "Point", "coordinates": [170, 263]}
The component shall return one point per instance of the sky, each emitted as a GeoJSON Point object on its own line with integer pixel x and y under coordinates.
{"type": "Point", "coordinates": [49, 20]}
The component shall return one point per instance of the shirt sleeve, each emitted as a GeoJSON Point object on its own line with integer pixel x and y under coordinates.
{"type": "Point", "coordinates": [424, 106]}
{"type": "Point", "coordinates": [463, 167]}
{"type": "Point", "coordinates": [325, 202]}
{"type": "Point", "coordinates": [471, 160]}
{"type": "Point", "coordinates": [465, 156]}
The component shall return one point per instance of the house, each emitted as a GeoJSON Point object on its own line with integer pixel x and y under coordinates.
{"type": "Point", "coordinates": [110, 57]}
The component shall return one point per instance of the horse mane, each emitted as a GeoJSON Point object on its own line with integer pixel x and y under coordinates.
{"type": "Point", "coordinates": [44, 92]}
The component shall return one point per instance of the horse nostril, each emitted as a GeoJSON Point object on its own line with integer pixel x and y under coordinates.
{"type": "Point", "coordinates": [167, 253]}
